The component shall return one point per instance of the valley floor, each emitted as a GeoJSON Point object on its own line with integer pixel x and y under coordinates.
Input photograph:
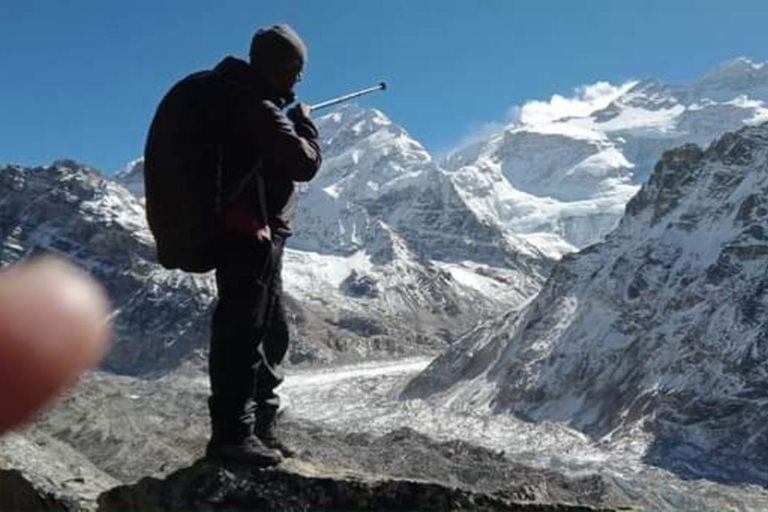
{"type": "Point", "coordinates": [364, 399]}
{"type": "Point", "coordinates": [350, 417]}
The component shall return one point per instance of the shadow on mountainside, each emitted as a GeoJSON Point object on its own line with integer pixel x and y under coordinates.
{"type": "Point", "coordinates": [733, 459]}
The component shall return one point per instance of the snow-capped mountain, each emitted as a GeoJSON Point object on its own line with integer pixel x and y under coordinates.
{"type": "Point", "coordinates": [659, 330]}
{"type": "Point", "coordinates": [651, 341]}
{"type": "Point", "coordinates": [388, 260]}
{"type": "Point", "coordinates": [374, 171]}
{"type": "Point", "coordinates": [132, 177]}
{"type": "Point", "coordinates": [71, 210]}
{"type": "Point", "coordinates": [562, 172]}
{"type": "Point", "coordinates": [380, 198]}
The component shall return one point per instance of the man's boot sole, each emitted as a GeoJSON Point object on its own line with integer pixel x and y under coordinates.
{"type": "Point", "coordinates": [282, 450]}
{"type": "Point", "coordinates": [237, 454]}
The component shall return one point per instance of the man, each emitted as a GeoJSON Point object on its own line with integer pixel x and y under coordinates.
{"type": "Point", "coordinates": [249, 330]}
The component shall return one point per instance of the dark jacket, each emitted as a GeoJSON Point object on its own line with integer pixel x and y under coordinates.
{"type": "Point", "coordinates": [257, 131]}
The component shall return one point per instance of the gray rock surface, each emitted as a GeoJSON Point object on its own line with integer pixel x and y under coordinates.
{"type": "Point", "coordinates": [39, 472]}
{"type": "Point", "coordinates": [132, 428]}
{"type": "Point", "coordinates": [300, 486]}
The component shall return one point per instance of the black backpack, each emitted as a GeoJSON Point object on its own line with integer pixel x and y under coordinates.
{"type": "Point", "coordinates": [182, 172]}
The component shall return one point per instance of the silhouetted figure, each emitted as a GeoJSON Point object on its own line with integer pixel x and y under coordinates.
{"type": "Point", "coordinates": [220, 164]}
{"type": "Point", "coordinates": [249, 331]}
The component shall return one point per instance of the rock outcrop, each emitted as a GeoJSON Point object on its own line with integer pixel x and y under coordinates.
{"type": "Point", "coordinates": [294, 485]}
{"type": "Point", "coordinates": [40, 473]}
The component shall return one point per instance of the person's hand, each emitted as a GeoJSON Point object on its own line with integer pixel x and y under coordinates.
{"type": "Point", "coordinates": [53, 326]}
{"type": "Point", "coordinates": [299, 112]}
{"type": "Point", "coordinates": [263, 234]}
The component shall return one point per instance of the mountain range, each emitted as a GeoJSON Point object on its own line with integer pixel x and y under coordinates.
{"type": "Point", "coordinates": [561, 173]}
{"type": "Point", "coordinates": [658, 333]}
{"type": "Point", "coordinates": [596, 262]}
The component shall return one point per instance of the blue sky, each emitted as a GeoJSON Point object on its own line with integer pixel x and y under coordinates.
{"type": "Point", "coordinates": [81, 78]}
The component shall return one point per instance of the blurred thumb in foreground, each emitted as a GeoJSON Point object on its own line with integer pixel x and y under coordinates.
{"type": "Point", "coordinates": [53, 326]}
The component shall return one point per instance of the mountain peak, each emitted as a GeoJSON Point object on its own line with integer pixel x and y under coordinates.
{"type": "Point", "coordinates": [737, 72]}
{"type": "Point", "coordinates": [739, 64]}
{"type": "Point", "coordinates": [132, 177]}
{"type": "Point", "coordinates": [353, 113]}
{"type": "Point", "coordinates": [74, 165]}
{"type": "Point", "coordinates": [131, 168]}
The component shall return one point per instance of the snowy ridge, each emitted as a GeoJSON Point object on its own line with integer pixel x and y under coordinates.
{"type": "Point", "coordinates": [382, 299]}
{"type": "Point", "coordinates": [381, 220]}
{"type": "Point", "coordinates": [661, 329]}
{"type": "Point", "coordinates": [375, 174]}
{"type": "Point", "coordinates": [132, 177]}
{"type": "Point", "coordinates": [379, 198]}
{"type": "Point", "coordinates": [382, 233]}
{"type": "Point", "coordinates": [576, 162]}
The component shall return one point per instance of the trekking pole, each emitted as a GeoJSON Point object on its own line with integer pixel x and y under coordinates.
{"type": "Point", "coordinates": [341, 99]}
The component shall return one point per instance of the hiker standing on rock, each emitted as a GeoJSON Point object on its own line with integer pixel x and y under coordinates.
{"type": "Point", "coordinates": [225, 130]}
{"type": "Point", "coordinates": [250, 331]}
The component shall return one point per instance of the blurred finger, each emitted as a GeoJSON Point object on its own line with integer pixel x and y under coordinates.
{"type": "Point", "coordinates": [52, 327]}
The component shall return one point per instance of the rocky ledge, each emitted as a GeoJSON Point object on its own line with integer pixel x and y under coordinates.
{"type": "Point", "coordinates": [39, 473]}
{"type": "Point", "coordinates": [297, 485]}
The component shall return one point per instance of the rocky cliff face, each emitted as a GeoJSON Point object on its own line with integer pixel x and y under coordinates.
{"type": "Point", "coordinates": [659, 330]}
{"type": "Point", "coordinates": [71, 210]}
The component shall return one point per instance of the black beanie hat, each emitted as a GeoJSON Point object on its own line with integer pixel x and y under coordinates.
{"type": "Point", "coordinates": [278, 48]}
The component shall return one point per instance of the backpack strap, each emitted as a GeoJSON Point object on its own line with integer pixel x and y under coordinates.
{"type": "Point", "coordinates": [255, 176]}
{"type": "Point", "coordinates": [261, 194]}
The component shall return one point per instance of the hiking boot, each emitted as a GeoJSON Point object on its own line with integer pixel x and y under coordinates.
{"type": "Point", "coordinates": [249, 451]}
{"type": "Point", "coordinates": [264, 430]}
{"type": "Point", "coordinates": [270, 440]}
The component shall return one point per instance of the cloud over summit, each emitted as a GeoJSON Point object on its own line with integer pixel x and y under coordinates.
{"type": "Point", "coordinates": [586, 99]}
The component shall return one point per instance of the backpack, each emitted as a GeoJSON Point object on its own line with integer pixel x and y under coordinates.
{"type": "Point", "coordinates": [182, 172]}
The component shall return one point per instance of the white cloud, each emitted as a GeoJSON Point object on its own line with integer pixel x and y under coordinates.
{"type": "Point", "coordinates": [585, 100]}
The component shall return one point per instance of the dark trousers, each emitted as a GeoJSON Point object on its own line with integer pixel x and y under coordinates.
{"type": "Point", "coordinates": [249, 336]}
